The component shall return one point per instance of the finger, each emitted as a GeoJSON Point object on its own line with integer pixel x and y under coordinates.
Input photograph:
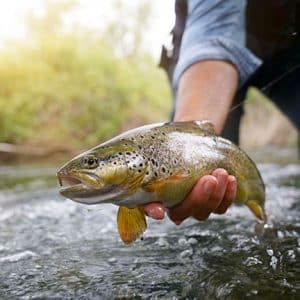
{"type": "Point", "coordinates": [219, 193]}
{"type": "Point", "coordinates": [216, 197]}
{"type": "Point", "coordinates": [198, 197]}
{"type": "Point", "coordinates": [202, 215]}
{"type": "Point", "coordinates": [229, 196]}
{"type": "Point", "coordinates": [154, 210]}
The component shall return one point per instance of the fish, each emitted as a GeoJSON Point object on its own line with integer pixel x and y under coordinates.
{"type": "Point", "coordinates": [160, 161]}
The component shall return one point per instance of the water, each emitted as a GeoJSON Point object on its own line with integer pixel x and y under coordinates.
{"type": "Point", "coordinates": [53, 248]}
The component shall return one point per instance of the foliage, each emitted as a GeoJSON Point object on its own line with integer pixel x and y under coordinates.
{"type": "Point", "coordinates": [70, 88]}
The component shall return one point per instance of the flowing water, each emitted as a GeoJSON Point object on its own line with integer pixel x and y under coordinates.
{"type": "Point", "coordinates": [52, 248]}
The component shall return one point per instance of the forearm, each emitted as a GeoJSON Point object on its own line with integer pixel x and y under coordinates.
{"type": "Point", "coordinates": [206, 91]}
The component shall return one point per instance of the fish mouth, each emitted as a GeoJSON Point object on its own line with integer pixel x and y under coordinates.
{"type": "Point", "coordinates": [68, 182]}
{"type": "Point", "coordinates": [75, 181]}
{"type": "Point", "coordinates": [72, 188]}
{"type": "Point", "coordinates": [79, 190]}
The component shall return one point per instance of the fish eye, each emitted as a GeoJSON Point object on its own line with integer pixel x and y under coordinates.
{"type": "Point", "coordinates": [90, 162]}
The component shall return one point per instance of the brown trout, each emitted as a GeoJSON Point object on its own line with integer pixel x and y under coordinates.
{"type": "Point", "coordinates": [161, 162]}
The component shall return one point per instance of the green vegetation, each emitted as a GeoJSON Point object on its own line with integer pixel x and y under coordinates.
{"type": "Point", "coordinates": [71, 88]}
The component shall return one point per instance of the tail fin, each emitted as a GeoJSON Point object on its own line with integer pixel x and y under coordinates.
{"type": "Point", "coordinates": [257, 210]}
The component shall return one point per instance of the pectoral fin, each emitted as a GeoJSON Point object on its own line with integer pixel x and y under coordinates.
{"type": "Point", "coordinates": [257, 210]}
{"type": "Point", "coordinates": [131, 223]}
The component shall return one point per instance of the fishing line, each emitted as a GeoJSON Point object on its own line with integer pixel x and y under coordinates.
{"type": "Point", "coordinates": [237, 106]}
{"type": "Point", "coordinates": [267, 86]}
{"type": "Point", "coordinates": [280, 77]}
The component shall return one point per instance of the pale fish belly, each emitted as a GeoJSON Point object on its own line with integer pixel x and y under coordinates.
{"type": "Point", "coordinates": [138, 198]}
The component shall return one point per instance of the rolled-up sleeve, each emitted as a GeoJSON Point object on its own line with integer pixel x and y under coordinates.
{"type": "Point", "coordinates": [215, 30]}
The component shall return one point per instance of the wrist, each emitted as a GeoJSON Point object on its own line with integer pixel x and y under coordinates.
{"type": "Point", "coordinates": [205, 92]}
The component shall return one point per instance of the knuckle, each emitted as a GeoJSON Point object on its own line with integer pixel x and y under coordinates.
{"type": "Point", "coordinates": [201, 216]}
{"type": "Point", "coordinates": [175, 217]}
{"type": "Point", "coordinates": [221, 211]}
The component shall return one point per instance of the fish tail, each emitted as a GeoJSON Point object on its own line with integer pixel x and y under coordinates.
{"type": "Point", "coordinates": [257, 210]}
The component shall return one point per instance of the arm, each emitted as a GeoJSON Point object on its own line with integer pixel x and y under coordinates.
{"type": "Point", "coordinates": [205, 91]}
{"type": "Point", "coordinates": [213, 62]}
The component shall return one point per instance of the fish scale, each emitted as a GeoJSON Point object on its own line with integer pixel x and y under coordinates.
{"type": "Point", "coordinates": [159, 162]}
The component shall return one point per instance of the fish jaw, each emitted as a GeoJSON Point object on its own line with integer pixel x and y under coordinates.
{"type": "Point", "coordinates": [76, 189]}
{"type": "Point", "coordinates": [79, 186]}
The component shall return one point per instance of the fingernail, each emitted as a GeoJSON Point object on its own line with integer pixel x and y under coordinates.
{"type": "Point", "coordinates": [231, 179]}
{"type": "Point", "coordinates": [209, 187]}
{"type": "Point", "coordinates": [151, 213]}
{"type": "Point", "coordinates": [157, 213]}
{"type": "Point", "coordinates": [161, 211]}
{"type": "Point", "coordinates": [222, 176]}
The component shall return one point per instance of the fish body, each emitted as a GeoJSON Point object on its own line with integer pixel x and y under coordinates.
{"type": "Point", "coordinates": [160, 162]}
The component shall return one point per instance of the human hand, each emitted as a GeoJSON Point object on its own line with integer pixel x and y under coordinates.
{"type": "Point", "coordinates": [211, 194]}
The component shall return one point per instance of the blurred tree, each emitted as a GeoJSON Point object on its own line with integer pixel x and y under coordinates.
{"type": "Point", "coordinates": [70, 87]}
{"type": "Point", "coordinates": [50, 22]}
{"type": "Point", "coordinates": [125, 36]}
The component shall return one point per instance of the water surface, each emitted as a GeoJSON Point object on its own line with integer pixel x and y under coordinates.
{"type": "Point", "coordinates": [53, 248]}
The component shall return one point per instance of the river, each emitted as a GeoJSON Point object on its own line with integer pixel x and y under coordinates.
{"type": "Point", "coordinates": [53, 248]}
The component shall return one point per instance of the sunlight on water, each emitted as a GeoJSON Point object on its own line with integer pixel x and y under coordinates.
{"type": "Point", "coordinates": [52, 247]}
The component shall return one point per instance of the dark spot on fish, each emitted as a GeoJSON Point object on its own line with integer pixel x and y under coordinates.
{"type": "Point", "coordinates": [147, 173]}
{"type": "Point", "coordinates": [128, 153]}
{"type": "Point", "coordinates": [140, 171]}
{"type": "Point", "coordinates": [141, 164]}
{"type": "Point", "coordinates": [140, 147]}
{"type": "Point", "coordinates": [163, 169]}
{"type": "Point", "coordinates": [155, 174]}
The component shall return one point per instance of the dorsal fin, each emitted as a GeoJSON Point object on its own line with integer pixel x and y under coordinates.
{"type": "Point", "coordinates": [207, 126]}
{"type": "Point", "coordinates": [204, 127]}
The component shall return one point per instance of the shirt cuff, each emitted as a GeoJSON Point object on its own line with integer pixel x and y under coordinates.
{"type": "Point", "coordinates": [218, 49]}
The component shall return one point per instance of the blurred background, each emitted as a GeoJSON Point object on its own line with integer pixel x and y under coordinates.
{"type": "Point", "coordinates": [74, 73]}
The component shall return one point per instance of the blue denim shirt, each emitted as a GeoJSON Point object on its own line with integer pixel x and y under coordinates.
{"type": "Point", "coordinates": [215, 29]}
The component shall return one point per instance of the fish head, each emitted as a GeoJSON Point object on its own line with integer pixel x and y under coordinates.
{"type": "Point", "coordinates": [104, 174]}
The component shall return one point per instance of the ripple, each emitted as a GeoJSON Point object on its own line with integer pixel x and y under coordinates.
{"type": "Point", "coordinates": [77, 253]}
{"type": "Point", "coordinates": [18, 256]}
